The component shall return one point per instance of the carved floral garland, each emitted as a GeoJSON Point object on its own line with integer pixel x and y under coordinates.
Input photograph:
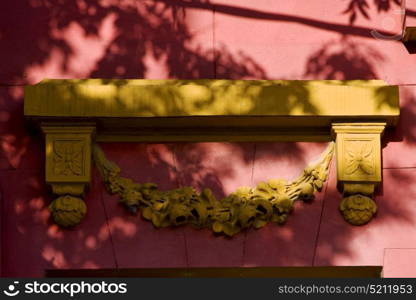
{"type": "Point", "coordinates": [247, 207]}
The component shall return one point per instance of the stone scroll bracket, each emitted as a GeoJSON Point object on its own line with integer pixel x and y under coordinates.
{"type": "Point", "coordinates": [358, 156]}
{"type": "Point", "coordinates": [68, 169]}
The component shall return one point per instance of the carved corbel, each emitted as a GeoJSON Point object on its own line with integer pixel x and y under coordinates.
{"type": "Point", "coordinates": [358, 152]}
{"type": "Point", "coordinates": [68, 170]}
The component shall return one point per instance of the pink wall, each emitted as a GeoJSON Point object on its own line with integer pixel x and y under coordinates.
{"type": "Point", "coordinates": [263, 39]}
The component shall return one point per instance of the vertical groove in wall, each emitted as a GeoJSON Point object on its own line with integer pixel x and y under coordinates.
{"type": "Point", "coordinates": [251, 184]}
{"type": "Point", "coordinates": [186, 247]}
{"type": "Point", "coordinates": [322, 211]}
{"type": "Point", "coordinates": [253, 163]}
{"type": "Point", "coordinates": [179, 183]}
{"type": "Point", "coordinates": [176, 168]}
{"type": "Point", "coordinates": [107, 222]}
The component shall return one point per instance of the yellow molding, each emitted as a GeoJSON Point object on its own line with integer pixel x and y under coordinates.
{"type": "Point", "coordinates": [121, 107]}
{"type": "Point", "coordinates": [210, 135]}
{"type": "Point", "coordinates": [409, 34]}
{"type": "Point", "coordinates": [151, 98]}
{"type": "Point", "coordinates": [370, 128]}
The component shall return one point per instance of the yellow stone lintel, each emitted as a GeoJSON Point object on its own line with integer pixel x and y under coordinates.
{"type": "Point", "coordinates": [121, 108]}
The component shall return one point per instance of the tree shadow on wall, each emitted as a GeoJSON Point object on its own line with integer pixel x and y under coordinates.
{"type": "Point", "coordinates": [349, 59]}
{"type": "Point", "coordinates": [61, 39]}
{"type": "Point", "coordinates": [358, 8]}
{"type": "Point", "coordinates": [345, 244]}
{"type": "Point", "coordinates": [106, 39]}
{"type": "Point", "coordinates": [121, 37]}
{"type": "Point", "coordinates": [344, 59]}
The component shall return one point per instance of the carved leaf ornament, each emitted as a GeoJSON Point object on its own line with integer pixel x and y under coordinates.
{"type": "Point", "coordinates": [68, 158]}
{"type": "Point", "coordinates": [359, 158]}
{"type": "Point", "coordinates": [247, 207]}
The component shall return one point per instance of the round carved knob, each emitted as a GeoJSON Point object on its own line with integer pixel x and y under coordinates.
{"type": "Point", "coordinates": [68, 211]}
{"type": "Point", "coordinates": [358, 209]}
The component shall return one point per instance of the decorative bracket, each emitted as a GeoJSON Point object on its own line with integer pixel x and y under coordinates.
{"type": "Point", "coordinates": [68, 169]}
{"type": "Point", "coordinates": [358, 153]}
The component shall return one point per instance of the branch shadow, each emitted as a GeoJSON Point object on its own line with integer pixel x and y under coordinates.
{"type": "Point", "coordinates": [344, 59]}
{"type": "Point", "coordinates": [361, 8]}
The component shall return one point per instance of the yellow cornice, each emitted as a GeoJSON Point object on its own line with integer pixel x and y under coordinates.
{"type": "Point", "coordinates": [359, 127]}
{"type": "Point", "coordinates": [203, 109]}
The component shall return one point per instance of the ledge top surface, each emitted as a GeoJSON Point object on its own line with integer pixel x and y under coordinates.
{"type": "Point", "coordinates": [170, 98]}
{"type": "Point", "coordinates": [212, 107]}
